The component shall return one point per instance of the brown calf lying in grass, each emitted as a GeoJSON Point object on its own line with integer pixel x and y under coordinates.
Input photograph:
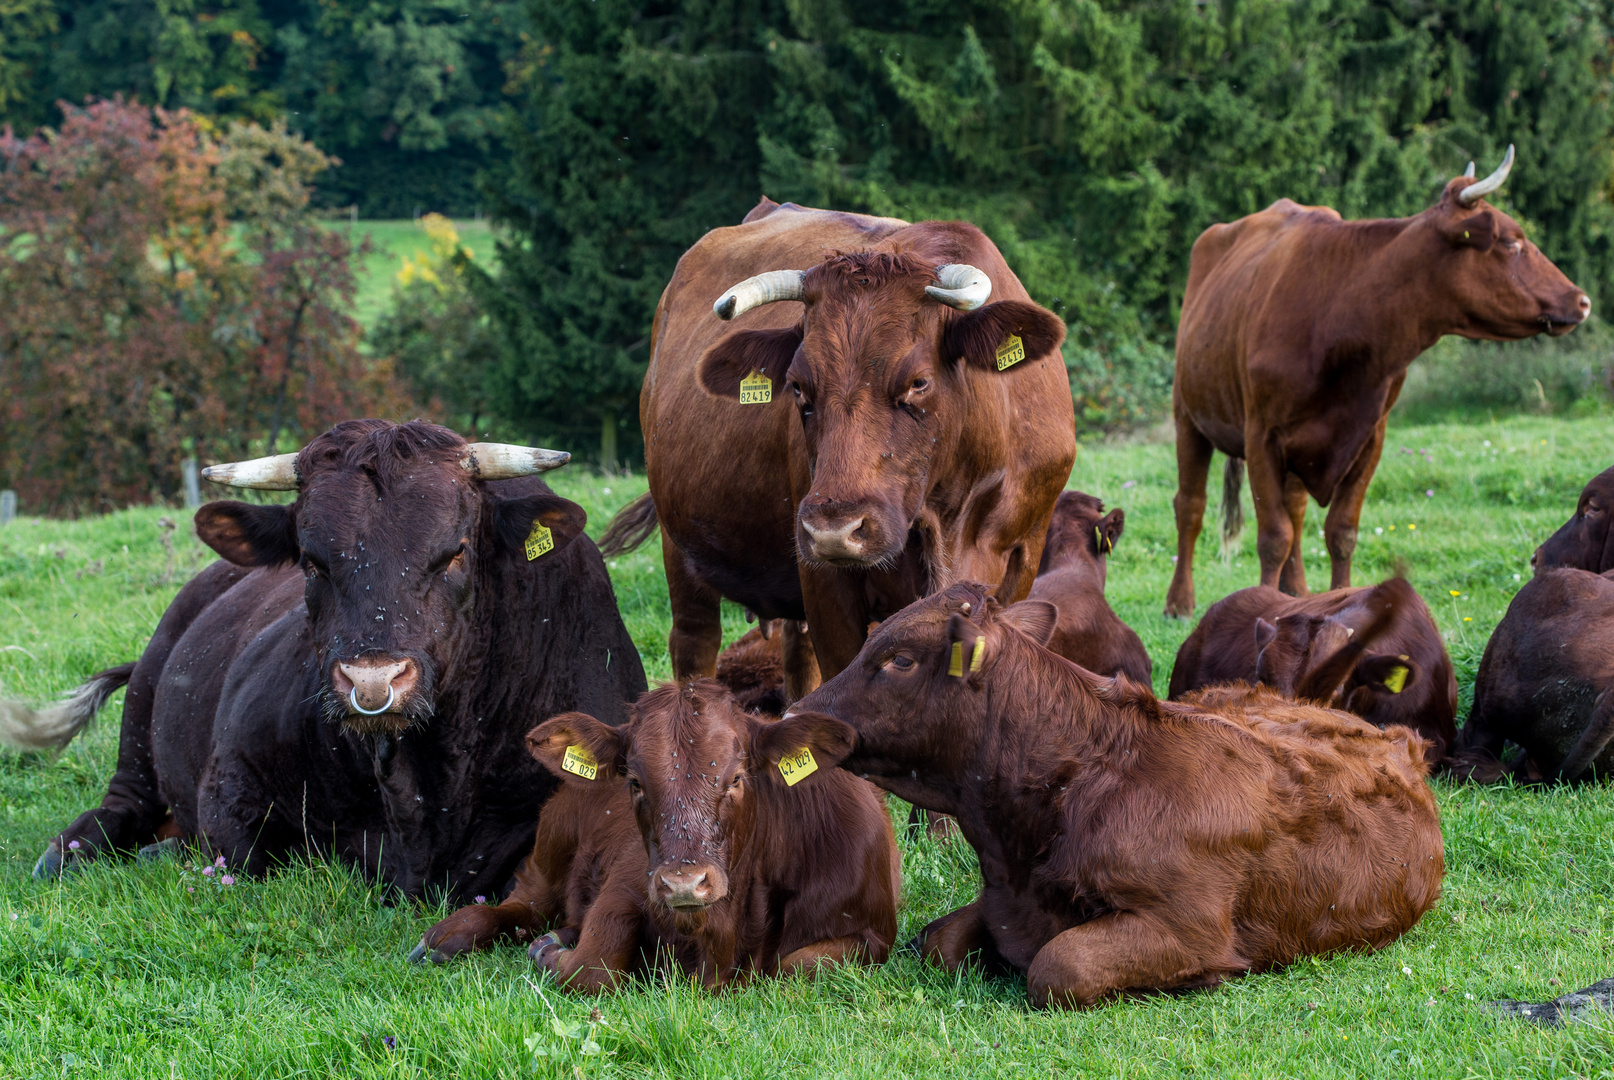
{"type": "Point", "coordinates": [1127, 843]}
{"type": "Point", "coordinates": [1546, 683]}
{"type": "Point", "coordinates": [746, 874]}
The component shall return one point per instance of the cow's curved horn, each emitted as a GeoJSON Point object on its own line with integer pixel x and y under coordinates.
{"type": "Point", "coordinates": [278, 473]}
{"type": "Point", "coordinates": [1476, 191]}
{"type": "Point", "coordinates": [1469, 172]}
{"type": "Point", "coordinates": [753, 292]}
{"type": "Point", "coordinates": [962, 286]}
{"type": "Point", "coordinates": [501, 461]}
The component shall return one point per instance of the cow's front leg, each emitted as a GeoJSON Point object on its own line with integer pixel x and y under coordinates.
{"type": "Point", "coordinates": [598, 956]}
{"type": "Point", "coordinates": [800, 662]}
{"type": "Point", "coordinates": [1119, 952]}
{"type": "Point", "coordinates": [697, 617]}
{"type": "Point", "coordinates": [1274, 531]}
{"type": "Point", "coordinates": [837, 615]}
{"type": "Point", "coordinates": [960, 938]}
{"type": "Point", "coordinates": [1293, 578]}
{"type": "Point", "coordinates": [530, 905]}
{"type": "Point", "coordinates": [851, 949]}
{"type": "Point", "coordinates": [1193, 465]}
{"type": "Point", "coordinates": [1345, 508]}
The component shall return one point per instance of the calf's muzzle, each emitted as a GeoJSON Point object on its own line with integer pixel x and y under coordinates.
{"type": "Point", "coordinates": [689, 888]}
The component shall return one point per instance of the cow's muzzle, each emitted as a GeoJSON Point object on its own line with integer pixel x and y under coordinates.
{"type": "Point", "coordinates": [376, 685]}
{"type": "Point", "coordinates": [1569, 316]}
{"type": "Point", "coordinates": [838, 533]}
{"type": "Point", "coordinates": [689, 888]}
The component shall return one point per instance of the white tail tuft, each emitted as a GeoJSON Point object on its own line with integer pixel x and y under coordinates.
{"type": "Point", "coordinates": [54, 726]}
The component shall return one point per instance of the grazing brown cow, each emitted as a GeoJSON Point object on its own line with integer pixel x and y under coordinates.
{"type": "Point", "coordinates": [747, 874]}
{"type": "Point", "coordinates": [1585, 542]}
{"type": "Point", "coordinates": [1071, 578]}
{"type": "Point", "coordinates": [867, 429]}
{"type": "Point", "coordinates": [1317, 648]}
{"type": "Point", "coordinates": [1127, 843]}
{"type": "Point", "coordinates": [1546, 683]}
{"type": "Point", "coordinates": [355, 677]}
{"type": "Point", "coordinates": [1296, 334]}
{"type": "Point", "coordinates": [753, 669]}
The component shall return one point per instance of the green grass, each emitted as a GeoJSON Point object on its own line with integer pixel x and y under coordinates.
{"type": "Point", "coordinates": [122, 971]}
{"type": "Point", "coordinates": [392, 242]}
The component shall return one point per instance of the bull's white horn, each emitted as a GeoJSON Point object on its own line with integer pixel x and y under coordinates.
{"type": "Point", "coordinates": [278, 473]}
{"type": "Point", "coordinates": [753, 292]}
{"type": "Point", "coordinates": [502, 461]}
{"type": "Point", "coordinates": [1469, 172]}
{"type": "Point", "coordinates": [962, 286]}
{"type": "Point", "coordinates": [1474, 192]}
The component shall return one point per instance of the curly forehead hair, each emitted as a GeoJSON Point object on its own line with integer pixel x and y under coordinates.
{"type": "Point", "coordinates": [381, 447]}
{"type": "Point", "coordinates": [875, 267]}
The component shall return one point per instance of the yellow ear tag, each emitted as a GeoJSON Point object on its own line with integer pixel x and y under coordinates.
{"type": "Point", "coordinates": [956, 666]}
{"type": "Point", "coordinates": [579, 762]}
{"type": "Point", "coordinates": [1011, 352]}
{"type": "Point", "coordinates": [979, 656]}
{"type": "Point", "coordinates": [798, 766]}
{"type": "Point", "coordinates": [756, 389]}
{"type": "Point", "coordinates": [539, 541]}
{"type": "Point", "coordinates": [1397, 679]}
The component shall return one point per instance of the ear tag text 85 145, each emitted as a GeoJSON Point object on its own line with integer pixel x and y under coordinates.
{"type": "Point", "coordinates": [756, 389]}
{"type": "Point", "coordinates": [539, 541]}
{"type": "Point", "coordinates": [798, 766]}
{"type": "Point", "coordinates": [579, 762]}
{"type": "Point", "coordinates": [956, 665]}
{"type": "Point", "coordinates": [1011, 352]}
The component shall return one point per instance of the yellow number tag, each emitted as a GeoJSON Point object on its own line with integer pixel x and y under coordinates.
{"type": "Point", "coordinates": [579, 762]}
{"type": "Point", "coordinates": [756, 389]}
{"type": "Point", "coordinates": [539, 541]}
{"type": "Point", "coordinates": [798, 766]}
{"type": "Point", "coordinates": [1397, 679]}
{"type": "Point", "coordinates": [1011, 352]}
{"type": "Point", "coordinates": [956, 665]}
{"type": "Point", "coordinates": [979, 656]}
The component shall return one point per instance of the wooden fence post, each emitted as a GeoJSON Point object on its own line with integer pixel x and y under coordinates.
{"type": "Point", "coordinates": [8, 506]}
{"type": "Point", "coordinates": [193, 487]}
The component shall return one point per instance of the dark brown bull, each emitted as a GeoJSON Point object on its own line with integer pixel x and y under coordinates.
{"type": "Point", "coordinates": [356, 678]}
{"type": "Point", "coordinates": [1373, 651]}
{"type": "Point", "coordinates": [902, 444]}
{"type": "Point", "coordinates": [1126, 843]}
{"type": "Point", "coordinates": [1075, 561]}
{"type": "Point", "coordinates": [1585, 542]}
{"type": "Point", "coordinates": [703, 851]}
{"type": "Point", "coordinates": [1296, 334]}
{"type": "Point", "coordinates": [1546, 683]}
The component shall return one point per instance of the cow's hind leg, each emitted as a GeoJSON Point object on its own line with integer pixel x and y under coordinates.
{"type": "Point", "coordinates": [1592, 742]}
{"type": "Point", "coordinates": [958, 939]}
{"type": "Point", "coordinates": [1193, 466]}
{"type": "Point", "coordinates": [1116, 953]}
{"type": "Point", "coordinates": [1293, 578]}
{"type": "Point", "coordinates": [697, 617]}
{"type": "Point", "coordinates": [851, 949]}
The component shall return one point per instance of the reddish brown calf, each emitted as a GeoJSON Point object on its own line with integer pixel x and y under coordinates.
{"type": "Point", "coordinates": [1585, 541]}
{"type": "Point", "coordinates": [1126, 843]}
{"type": "Point", "coordinates": [747, 874]}
{"type": "Point", "coordinates": [1075, 559]}
{"type": "Point", "coordinates": [1374, 651]}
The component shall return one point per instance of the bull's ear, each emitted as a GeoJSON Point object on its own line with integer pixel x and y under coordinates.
{"type": "Point", "coordinates": [519, 524]}
{"type": "Point", "coordinates": [577, 745]}
{"type": "Point", "coordinates": [743, 352]}
{"type": "Point", "coordinates": [1108, 531]}
{"type": "Point", "coordinates": [1386, 674]}
{"type": "Point", "coordinates": [1477, 231]}
{"type": "Point", "coordinates": [827, 740]}
{"type": "Point", "coordinates": [979, 336]}
{"type": "Point", "coordinates": [1035, 619]}
{"type": "Point", "coordinates": [249, 535]}
{"type": "Point", "coordinates": [1265, 632]}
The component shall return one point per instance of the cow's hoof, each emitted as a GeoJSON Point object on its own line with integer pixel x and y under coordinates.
{"type": "Point", "coordinates": [50, 863]}
{"type": "Point", "coordinates": [419, 953]}
{"type": "Point", "coordinates": [546, 949]}
{"type": "Point", "coordinates": [161, 850]}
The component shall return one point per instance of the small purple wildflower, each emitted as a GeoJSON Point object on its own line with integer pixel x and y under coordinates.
{"type": "Point", "coordinates": [389, 1042]}
{"type": "Point", "coordinates": [72, 845]}
{"type": "Point", "coordinates": [219, 861]}
{"type": "Point", "coordinates": [190, 888]}
{"type": "Point", "coordinates": [226, 880]}
{"type": "Point", "coordinates": [1430, 492]}
{"type": "Point", "coordinates": [481, 899]}
{"type": "Point", "coordinates": [207, 871]}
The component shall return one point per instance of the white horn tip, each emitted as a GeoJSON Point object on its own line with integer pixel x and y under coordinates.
{"type": "Point", "coordinates": [1469, 172]}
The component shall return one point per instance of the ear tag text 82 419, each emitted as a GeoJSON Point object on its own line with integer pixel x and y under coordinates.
{"type": "Point", "coordinates": [579, 762]}
{"type": "Point", "coordinates": [1011, 352]}
{"type": "Point", "coordinates": [955, 666]}
{"type": "Point", "coordinates": [798, 766]}
{"type": "Point", "coordinates": [539, 541]}
{"type": "Point", "coordinates": [978, 657]}
{"type": "Point", "coordinates": [756, 389]}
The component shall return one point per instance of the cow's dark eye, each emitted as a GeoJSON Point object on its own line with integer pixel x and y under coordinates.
{"type": "Point", "coordinates": [1593, 510]}
{"type": "Point", "coordinates": [738, 782]}
{"type": "Point", "coordinates": [902, 662]}
{"type": "Point", "coordinates": [633, 786]}
{"type": "Point", "coordinates": [919, 386]}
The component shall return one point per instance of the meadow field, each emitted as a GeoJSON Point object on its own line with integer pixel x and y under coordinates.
{"type": "Point", "coordinates": [393, 241]}
{"type": "Point", "coordinates": [154, 970]}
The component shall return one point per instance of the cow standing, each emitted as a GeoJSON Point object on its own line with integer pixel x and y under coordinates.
{"type": "Point", "coordinates": [868, 430]}
{"type": "Point", "coordinates": [678, 833]}
{"type": "Point", "coordinates": [1126, 843]}
{"type": "Point", "coordinates": [1373, 651]}
{"type": "Point", "coordinates": [1296, 334]}
{"type": "Point", "coordinates": [1546, 683]}
{"type": "Point", "coordinates": [1585, 541]}
{"type": "Point", "coordinates": [357, 675]}
{"type": "Point", "coordinates": [1075, 562]}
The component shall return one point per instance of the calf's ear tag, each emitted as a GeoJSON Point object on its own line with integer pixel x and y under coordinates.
{"type": "Point", "coordinates": [579, 762]}
{"type": "Point", "coordinates": [539, 541]}
{"type": "Point", "coordinates": [1397, 679]}
{"type": "Point", "coordinates": [978, 657]}
{"type": "Point", "coordinates": [798, 766]}
{"type": "Point", "coordinates": [956, 665]}
{"type": "Point", "coordinates": [756, 389]}
{"type": "Point", "coordinates": [1011, 352]}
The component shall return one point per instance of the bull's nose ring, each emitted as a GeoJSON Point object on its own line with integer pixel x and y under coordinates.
{"type": "Point", "coordinates": [353, 700]}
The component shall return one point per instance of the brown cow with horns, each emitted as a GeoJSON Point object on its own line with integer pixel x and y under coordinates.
{"type": "Point", "coordinates": [869, 430]}
{"type": "Point", "coordinates": [1297, 331]}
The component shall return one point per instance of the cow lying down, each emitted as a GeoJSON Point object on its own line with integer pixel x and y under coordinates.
{"type": "Point", "coordinates": [1127, 843]}
{"type": "Point", "coordinates": [1585, 541]}
{"type": "Point", "coordinates": [1546, 683]}
{"type": "Point", "coordinates": [1373, 651]}
{"type": "Point", "coordinates": [752, 868]}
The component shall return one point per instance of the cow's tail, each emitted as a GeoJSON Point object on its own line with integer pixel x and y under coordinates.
{"type": "Point", "coordinates": [54, 726]}
{"type": "Point", "coordinates": [631, 527]}
{"type": "Point", "coordinates": [1232, 505]}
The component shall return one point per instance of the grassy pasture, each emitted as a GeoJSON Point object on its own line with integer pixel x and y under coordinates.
{"type": "Point", "coordinates": [157, 971]}
{"type": "Point", "coordinates": [390, 243]}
